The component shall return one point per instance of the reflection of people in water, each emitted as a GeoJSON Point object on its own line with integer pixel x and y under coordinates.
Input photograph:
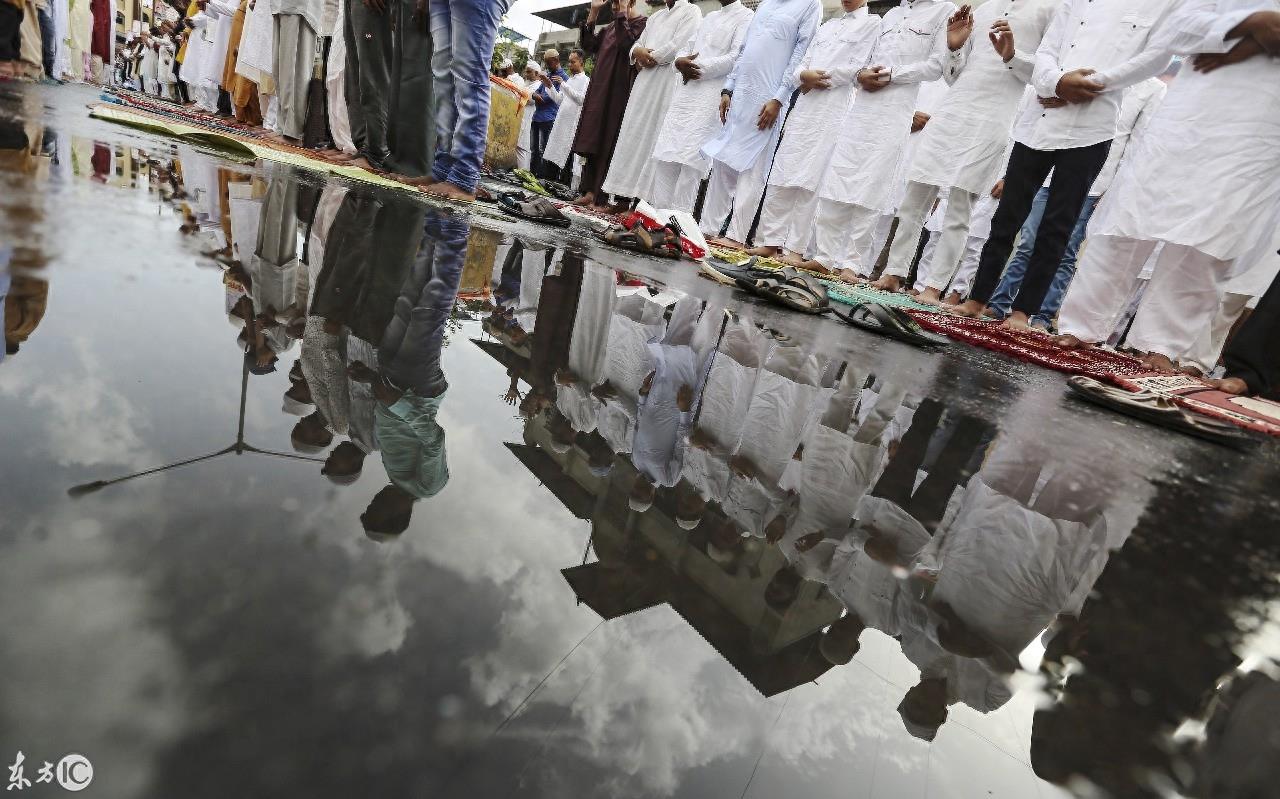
{"type": "Point", "coordinates": [409, 383]}
{"type": "Point", "coordinates": [24, 297]}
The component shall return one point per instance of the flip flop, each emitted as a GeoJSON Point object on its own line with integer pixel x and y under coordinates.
{"type": "Point", "coordinates": [792, 291]}
{"type": "Point", "coordinates": [890, 321]}
{"type": "Point", "coordinates": [1160, 410]}
{"type": "Point", "coordinates": [537, 209]}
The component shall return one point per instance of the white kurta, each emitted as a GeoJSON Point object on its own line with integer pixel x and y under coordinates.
{"type": "Point", "coordinates": [842, 47]}
{"type": "Point", "coordinates": [631, 171]}
{"type": "Point", "coordinates": [964, 143]}
{"type": "Point", "coordinates": [776, 40]}
{"type": "Point", "coordinates": [913, 45]}
{"type": "Point", "coordinates": [569, 96]}
{"type": "Point", "coordinates": [253, 59]}
{"type": "Point", "coordinates": [1206, 173]}
{"type": "Point", "coordinates": [693, 116]}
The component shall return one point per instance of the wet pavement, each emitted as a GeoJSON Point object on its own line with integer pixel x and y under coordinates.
{"type": "Point", "coordinates": [412, 522]}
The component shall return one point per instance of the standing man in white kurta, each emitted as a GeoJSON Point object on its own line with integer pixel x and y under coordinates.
{"type": "Point", "coordinates": [858, 184]}
{"type": "Point", "coordinates": [1204, 179]}
{"type": "Point", "coordinates": [755, 93]}
{"type": "Point", "coordinates": [569, 96]}
{"type": "Point", "coordinates": [631, 171]}
{"type": "Point", "coordinates": [963, 147]}
{"type": "Point", "coordinates": [693, 119]}
{"type": "Point", "coordinates": [840, 51]}
{"type": "Point", "coordinates": [1091, 52]}
{"type": "Point", "coordinates": [296, 23]}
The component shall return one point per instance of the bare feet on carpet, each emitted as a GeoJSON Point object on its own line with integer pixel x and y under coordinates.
{"type": "Point", "coordinates": [764, 252]}
{"type": "Point", "coordinates": [930, 296]}
{"type": "Point", "coordinates": [1230, 385]}
{"type": "Point", "coordinates": [888, 283]}
{"type": "Point", "coordinates": [588, 199]}
{"type": "Point", "coordinates": [617, 208]}
{"type": "Point", "coordinates": [360, 162]}
{"type": "Point", "coordinates": [971, 308]}
{"type": "Point", "coordinates": [791, 258]}
{"type": "Point", "coordinates": [426, 182]}
{"type": "Point", "coordinates": [1016, 321]}
{"type": "Point", "coordinates": [1159, 363]}
{"type": "Point", "coordinates": [953, 298]}
{"type": "Point", "coordinates": [1070, 342]}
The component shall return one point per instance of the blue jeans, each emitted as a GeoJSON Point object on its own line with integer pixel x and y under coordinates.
{"type": "Point", "coordinates": [48, 41]}
{"type": "Point", "coordinates": [462, 38]}
{"type": "Point", "coordinates": [1002, 300]}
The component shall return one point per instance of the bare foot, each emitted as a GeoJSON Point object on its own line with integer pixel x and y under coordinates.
{"type": "Point", "coordinates": [1016, 321]}
{"type": "Point", "coordinates": [617, 208]}
{"type": "Point", "coordinates": [1157, 362]}
{"type": "Point", "coordinates": [953, 298]}
{"type": "Point", "coordinates": [426, 182]}
{"type": "Point", "coordinates": [971, 308]}
{"type": "Point", "coordinates": [1070, 342]}
{"type": "Point", "coordinates": [600, 209]}
{"type": "Point", "coordinates": [849, 276]}
{"type": "Point", "coordinates": [931, 296]}
{"type": "Point", "coordinates": [791, 258]}
{"type": "Point", "coordinates": [1231, 385]}
{"type": "Point", "coordinates": [1194, 371]}
{"type": "Point", "coordinates": [888, 283]}
{"type": "Point", "coordinates": [814, 266]}
{"type": "Point", "coordinates": [360, 162]}
{"type": "Point", "coordinates": [719, 241]}
{"type": "Point", "coordinates": [448, 191]}
{"type": "Point", "coordinates": [587, 199]}
{"type": "Point", "coordinates": [764, 252]}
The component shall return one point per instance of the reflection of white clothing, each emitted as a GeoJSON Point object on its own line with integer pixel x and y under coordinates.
{"type": "Point", "coordinates": [661, 427]}
{"type": "Point", "coordinates": [587, 345]}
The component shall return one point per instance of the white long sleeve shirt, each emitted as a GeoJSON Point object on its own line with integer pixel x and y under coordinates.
{"type": "Point", "coordinates": [1113, 37]}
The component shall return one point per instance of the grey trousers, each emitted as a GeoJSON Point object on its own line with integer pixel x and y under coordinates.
{"type": "Point", "coordinates": [292, 59]}
{"type": "Point", "coordinates": [393, 58]}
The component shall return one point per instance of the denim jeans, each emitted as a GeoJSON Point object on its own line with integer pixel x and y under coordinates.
{"type": "Point", "coordinates": [462, 38]}
{"type": "Point", "coordinates": [48, 40]}
{"type": "Point", "coordinates": [1002, 300]}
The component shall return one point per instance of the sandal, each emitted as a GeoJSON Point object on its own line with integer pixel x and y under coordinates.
{"type": "Point", "coordinates": [537, 209]}
{"type": "Point", "coordinates": [1160, 410]}
{"type": "Point", "coordinates": [893, 322]}
{"type": "Point", "coordinates": [793, 291]}
{"type": "Point", "coordinates": [663, 242]}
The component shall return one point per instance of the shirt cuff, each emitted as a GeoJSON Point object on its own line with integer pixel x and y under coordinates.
{"type": "Point", "coordinates": [784, 94]}
{"type": "Point", "coordinates": [1217, 34]}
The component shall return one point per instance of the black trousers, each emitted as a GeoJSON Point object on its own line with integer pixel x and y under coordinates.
{"type": "Point", "coordinates": [1074, 171]}
{"type": "Point", "coordinates": [10, 36]}
{"type": "Point", "coordinates": [181, 84]}
{"type": "Point", "coordinates": [1253, 355]}
{"type": "Point", "coordinates": [539, 133]}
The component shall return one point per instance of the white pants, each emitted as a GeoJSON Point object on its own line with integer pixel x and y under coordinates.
{"type": "Point", "coordinates": [915, 208]}
{"type": "Point", "coordinates": [969, 261]}
{"type": "Point", "coordinates": [1208, 347]}
{"type": "Point", "coordinates": [842, 235]}
{"type": "Point", "coordinates": [733, 192]}
{"type": "Point", "coordinates": [1179, 304]}
{"type": "Point", "coordinates": [787, 218]}
{"type": "Point", "coordinates": [675, 186]}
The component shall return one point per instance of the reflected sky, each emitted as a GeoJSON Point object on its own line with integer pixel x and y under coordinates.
{"type": "Point", "coordinates": [497, 516]}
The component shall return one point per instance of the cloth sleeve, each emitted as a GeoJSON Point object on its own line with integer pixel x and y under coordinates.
{"type": "Point", "coordinates": [860, 59]}
{"type": "Point", "coordinates": [590, 40]}
{"type": "Point", "coordinates": [957, 60]}
{"type": "Point", "coordinates": [720, 65]}
{"type": "Point", "coordinates": [1046, 71]}
{"type": "Point", "coordinates": [1198, 27]}
{"type": "Point", "coordinates": [732, 79]}
{"type": "Point", "coordinates": [687, 27]}
{"type": "Point", "coordinates": [1153, 59]}
{"type": "Point", "coordinates": [808, 29]}
{"type": "Point", "coordinates": [929, 69]}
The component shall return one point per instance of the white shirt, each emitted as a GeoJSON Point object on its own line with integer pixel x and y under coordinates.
{"type": "Point", "coordinates": [1113, 37]}
{"type": "Point", "coordinates": [694, 115]}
